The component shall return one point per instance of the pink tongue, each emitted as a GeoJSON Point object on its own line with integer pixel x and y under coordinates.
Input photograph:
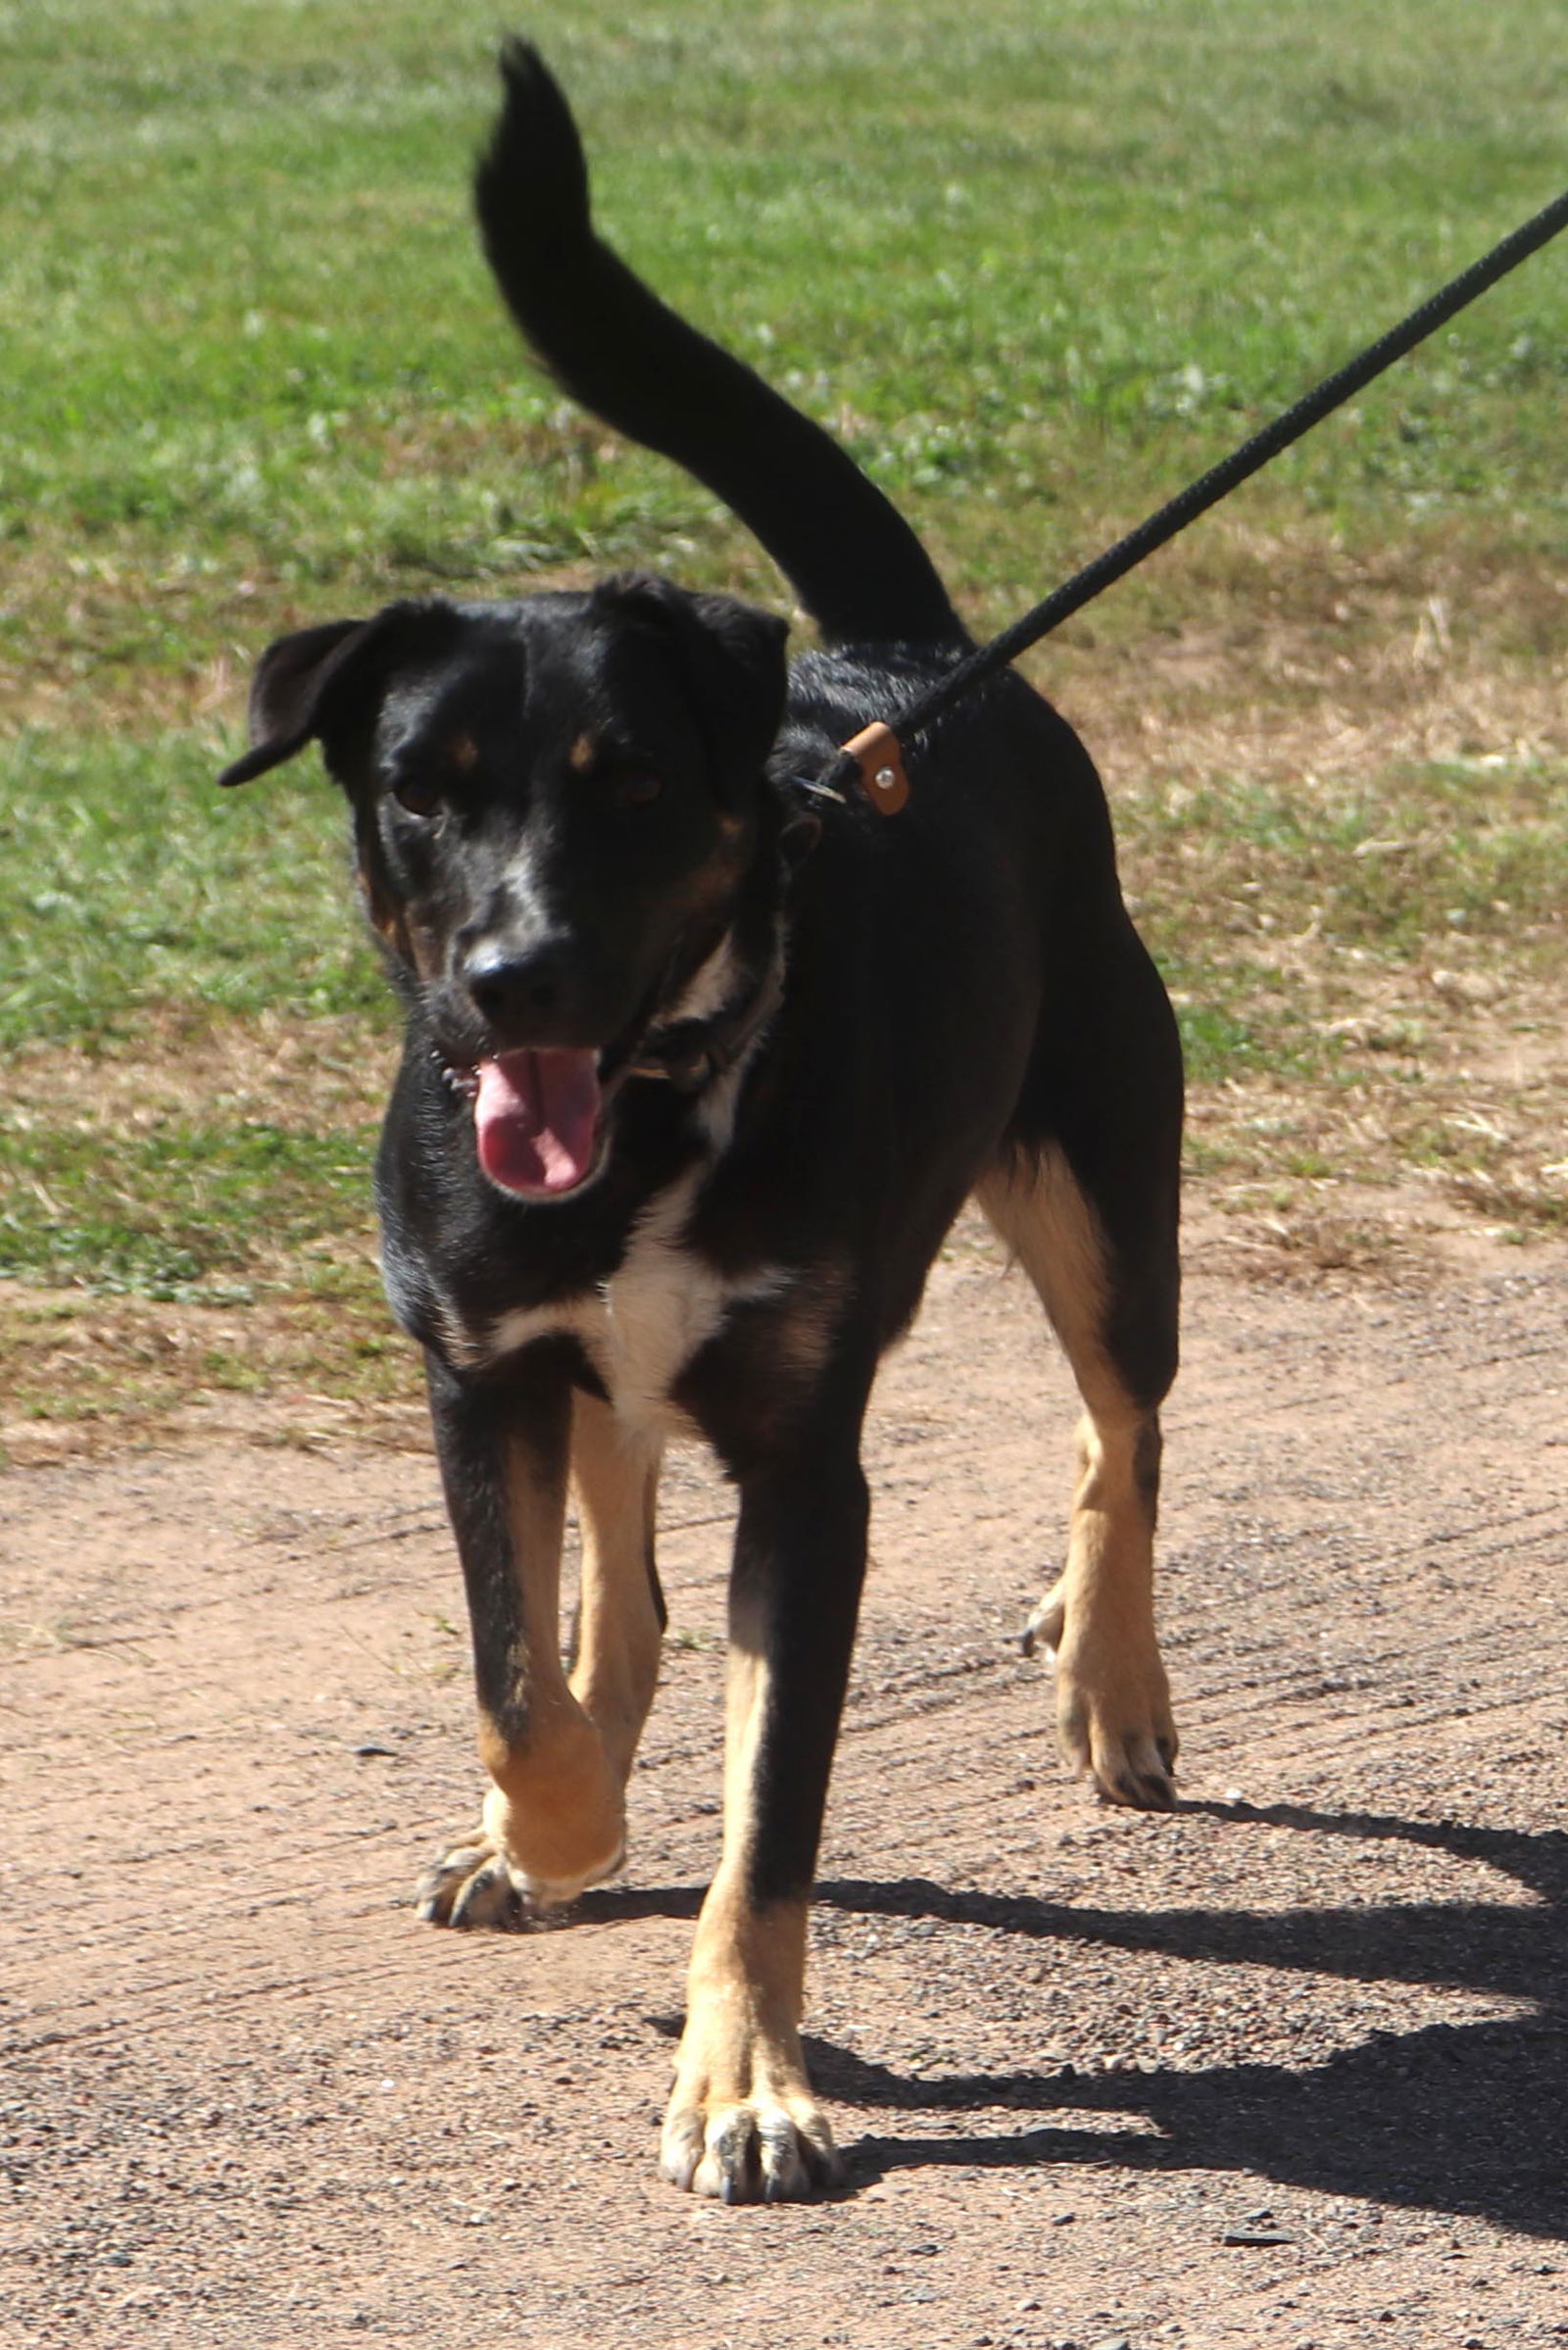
{"type": "Point", "coordinates": [536, 1120]}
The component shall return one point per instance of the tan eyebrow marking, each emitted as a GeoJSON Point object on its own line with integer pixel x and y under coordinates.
{"type": "Point", "coordinates": [463, 753]}
{"type": "Point", "coordinates": [580, 758]}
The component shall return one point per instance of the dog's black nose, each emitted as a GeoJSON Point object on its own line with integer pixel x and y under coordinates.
{"type": "Point", "coordinates": [516, 993]}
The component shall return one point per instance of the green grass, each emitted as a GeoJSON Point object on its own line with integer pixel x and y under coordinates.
{"type": "Point", "coordinates": [1045, 260]}
{"type": "Point", "coordinates": [130, 887]}
{"type": "Point", "coordinates": [178, 1210]}
{"type": "Point", "coordinates": [1038, 264]}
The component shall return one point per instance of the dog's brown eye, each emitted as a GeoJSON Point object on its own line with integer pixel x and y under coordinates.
{"type": "Point", "coordinates": [639, 790]}
{"type": "Point", "coordinates": [417, 798]}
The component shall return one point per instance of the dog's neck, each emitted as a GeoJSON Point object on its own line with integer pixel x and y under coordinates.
{"type": "Point", "coordinates": [693, 1043]}
{"type": "Point", "coordinates": [693, 1051]}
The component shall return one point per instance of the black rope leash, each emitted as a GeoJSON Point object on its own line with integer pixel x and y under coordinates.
{"type": "Point", "coordinates": [873, 760]}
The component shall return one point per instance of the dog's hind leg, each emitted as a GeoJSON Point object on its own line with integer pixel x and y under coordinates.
{"type": "Point", "coordinates": [620, 1624]}
{"type": "Point", "coordinates": [555, 1816]}
{"type": "Point", "coordinates": [1092, 1219]}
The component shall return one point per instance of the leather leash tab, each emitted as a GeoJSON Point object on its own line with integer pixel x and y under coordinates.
{"type": "Point", "coordinates": [877, 753]}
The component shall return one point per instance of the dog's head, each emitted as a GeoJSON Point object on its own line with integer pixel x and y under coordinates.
{"type": "Point", "coordinates": [555, 802]}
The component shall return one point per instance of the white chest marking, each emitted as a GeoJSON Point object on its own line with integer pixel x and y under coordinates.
{"type": "Point", "coordinates": [642, 1327]}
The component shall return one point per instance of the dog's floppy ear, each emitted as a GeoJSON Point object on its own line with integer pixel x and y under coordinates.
{"type": "Point", "coordinates": [298, 681]}
{"type": "Point", "coordinates": [731, 658]}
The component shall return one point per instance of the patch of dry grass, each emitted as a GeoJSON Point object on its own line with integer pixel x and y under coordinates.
{"type": "Point", "coordinates": [83, 1370]}
{"type": "Point", "coordinates": [301, 1075]}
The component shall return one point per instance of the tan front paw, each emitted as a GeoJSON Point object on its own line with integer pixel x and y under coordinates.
{"type": "Point", "coordinates": [1113, 1712]}
{"type": "Point", "coordinates": [771, 2146]}
{"type": "Point", "coordinates": [1115, 1721]}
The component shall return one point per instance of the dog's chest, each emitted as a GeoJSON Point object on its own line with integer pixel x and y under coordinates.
{"type": "Point", "coordinates": [643, 1326]}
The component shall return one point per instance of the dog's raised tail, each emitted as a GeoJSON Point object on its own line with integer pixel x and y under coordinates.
{"type": "Point", "coordinates": [616, 348]}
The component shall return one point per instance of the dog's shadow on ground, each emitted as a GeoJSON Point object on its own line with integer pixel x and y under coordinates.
{"type": "Point", "coordinates": [1453, 2116]}
{"type": "Point", "coordinates": [1464, 2118]}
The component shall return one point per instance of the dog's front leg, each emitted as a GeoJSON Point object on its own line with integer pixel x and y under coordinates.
{"type": "Point", "coordinates": [554, 1818]}
{"type": "Point", "coordinates": [620, 1626]}
{"type": "Point", "coordinates": [742, 2122]}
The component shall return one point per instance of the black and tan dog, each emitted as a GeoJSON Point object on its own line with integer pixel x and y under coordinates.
{"type": "Point", "coordinates": [698, 1072]}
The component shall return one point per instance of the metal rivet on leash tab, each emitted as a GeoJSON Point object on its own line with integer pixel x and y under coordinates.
{"type": "Point", "coordinates": [876, 752]}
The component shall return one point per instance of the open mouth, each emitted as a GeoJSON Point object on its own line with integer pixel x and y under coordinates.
{"type": "Point", "coordinates": [536, 1120]}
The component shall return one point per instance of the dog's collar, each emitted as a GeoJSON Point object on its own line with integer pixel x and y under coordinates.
{"type": "Point", "coordinates": [692, 1053]}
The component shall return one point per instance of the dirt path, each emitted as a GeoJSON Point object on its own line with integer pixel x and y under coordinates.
{"type": "Point", "coordinates": [1290, 2068]}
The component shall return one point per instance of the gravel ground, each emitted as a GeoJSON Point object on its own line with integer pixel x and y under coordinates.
{"type": "Point", "coordinates": [1287, 2068]}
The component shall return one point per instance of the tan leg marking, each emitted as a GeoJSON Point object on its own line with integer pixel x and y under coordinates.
{"type": "Point", "coordinates": [802, 1332]}
{"type": "Point", "coordinates": [615, 1473]}
{"type": "Point", "coordinates": [554, 1820]}
{"type": "Point", "coordinates": [742, 2122]}
{"type": "Point", "coordinates": [1113, 1699]}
